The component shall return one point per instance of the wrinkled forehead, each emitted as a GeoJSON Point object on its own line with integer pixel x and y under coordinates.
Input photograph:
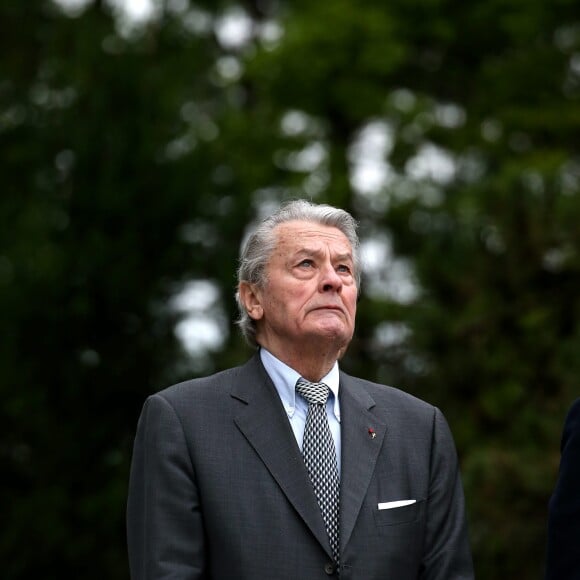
{"type": "Point", "coordinates": [295, 236]}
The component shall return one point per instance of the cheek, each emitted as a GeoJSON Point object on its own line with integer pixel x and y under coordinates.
{"type": "Point", "coordinates": [279, 305]}
{"type": "Point", "coordinates": [289, 302]}
{"type": "Point", "coordinates": [351, 302]}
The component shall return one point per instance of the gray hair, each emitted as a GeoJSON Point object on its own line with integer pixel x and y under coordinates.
{"type": "Point", "coordinates": [260, 245]}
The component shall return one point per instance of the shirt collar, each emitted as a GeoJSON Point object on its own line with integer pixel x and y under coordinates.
{"type": "Point", "coordinates": [285, 379]}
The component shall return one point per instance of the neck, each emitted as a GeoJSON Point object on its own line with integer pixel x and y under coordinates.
{"type": "Point", "coordinates": [312, 365]}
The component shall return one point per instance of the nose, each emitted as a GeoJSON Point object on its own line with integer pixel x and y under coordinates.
{"type": "Point", "coordinates": [329, 279]}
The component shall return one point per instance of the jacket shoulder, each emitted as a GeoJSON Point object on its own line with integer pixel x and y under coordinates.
{"type": "Point", "coordinates": [387, 394]}
{"type": "Point", "coordinates": [206, 388]}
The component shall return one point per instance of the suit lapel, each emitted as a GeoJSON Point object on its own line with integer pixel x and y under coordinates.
{"type": "Point", "coordinates": [264, 423]}
{"type": "Point", "coordinates": [362, 435]}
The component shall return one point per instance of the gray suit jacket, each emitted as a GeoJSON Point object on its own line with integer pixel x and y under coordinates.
{"type": "Point", "coordinates": [218, 488]}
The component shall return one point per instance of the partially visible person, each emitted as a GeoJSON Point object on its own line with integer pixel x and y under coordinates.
{"type": "Point", "coordinates": [563, 552]}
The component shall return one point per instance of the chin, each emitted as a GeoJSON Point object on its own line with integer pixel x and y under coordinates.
{"type": "Point", "coordinates": [338, 336]}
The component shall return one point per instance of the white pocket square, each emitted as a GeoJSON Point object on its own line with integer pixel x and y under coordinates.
{"type": "Point", "coordinates": [389, 505]}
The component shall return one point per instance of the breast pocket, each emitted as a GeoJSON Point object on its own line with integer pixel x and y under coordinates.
{"type": "Point", "coordinates": [395, 516]}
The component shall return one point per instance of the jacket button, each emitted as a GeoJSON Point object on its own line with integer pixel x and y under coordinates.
{"type": "Point", "coordinates": [329, 568]}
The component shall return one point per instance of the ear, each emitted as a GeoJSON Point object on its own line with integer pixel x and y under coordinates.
{"type": "Point", "coordinates": [251, 298]}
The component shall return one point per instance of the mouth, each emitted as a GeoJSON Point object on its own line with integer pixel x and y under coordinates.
{"type": "Point", "coordinates": [331, 307]}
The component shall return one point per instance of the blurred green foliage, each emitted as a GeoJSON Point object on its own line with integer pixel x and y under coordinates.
{"type": "Point", "coordinates": [134, 156]}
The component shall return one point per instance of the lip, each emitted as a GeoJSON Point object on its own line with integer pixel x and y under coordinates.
{"type": "Point", "coordinates": [334, 307]}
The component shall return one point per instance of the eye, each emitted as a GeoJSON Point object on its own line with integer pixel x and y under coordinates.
{"type": "Point", "coordinates": [343, 268]}
{"type": "Point", "coordinates": [306, 263]}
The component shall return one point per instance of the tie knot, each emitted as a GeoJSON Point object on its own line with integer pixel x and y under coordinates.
{"type": "Point", "coordinates": [314, 393]}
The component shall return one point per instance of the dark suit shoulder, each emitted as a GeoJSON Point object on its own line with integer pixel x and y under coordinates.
{"type": "Point", "coordinates": [572, 424]}
{"type": "Point", "coordinates": [201, 388]}
{"type": "Point", "coordinates": [212, 388]}
{"type": "Point", "coordinates": [570, 447]}
{"type": "Point", "coordinates": [199, 385]}
{"type": "Point", "coordinates": [385, 395]}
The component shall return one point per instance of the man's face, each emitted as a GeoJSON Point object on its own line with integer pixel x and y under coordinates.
{"type": "Point", "coordinates": [310, 293]}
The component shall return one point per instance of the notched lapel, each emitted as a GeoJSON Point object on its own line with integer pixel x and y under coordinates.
{"type": "Point", "coordinates": [264, 423]}
{"type": "Point", "coordinates": [362, 437]}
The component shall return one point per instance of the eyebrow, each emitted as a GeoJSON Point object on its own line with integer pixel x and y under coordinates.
{"type": "Point", "coordinates": [312, 252]}
{"type": "Point", "coordinates": [345, 257]}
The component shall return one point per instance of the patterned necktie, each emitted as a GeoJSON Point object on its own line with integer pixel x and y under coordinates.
{"type": "Point", "coordinates": [320, 457]}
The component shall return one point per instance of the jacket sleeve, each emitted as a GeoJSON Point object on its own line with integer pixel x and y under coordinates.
{"type": "Point", "coordinates": [164, 522]}
{"type": "Point", "coordinates": [447, 554]}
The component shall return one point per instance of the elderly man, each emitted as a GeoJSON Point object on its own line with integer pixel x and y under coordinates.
{"type": "Point", "coordinates": [286, 468]}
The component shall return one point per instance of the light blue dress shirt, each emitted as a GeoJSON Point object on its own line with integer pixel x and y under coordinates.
{"type": "Point", "coordinates": [296, 407]}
